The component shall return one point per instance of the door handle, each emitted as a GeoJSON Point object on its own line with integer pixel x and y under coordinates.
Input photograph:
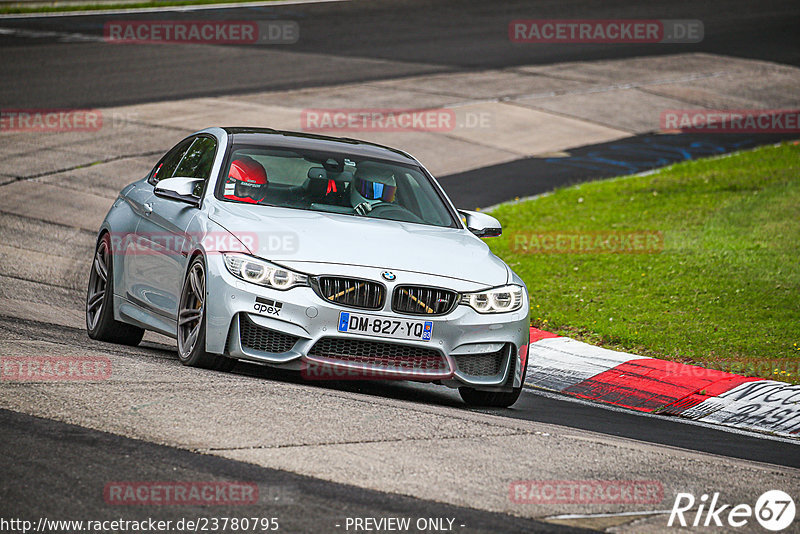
{"type": "Point", "coordinates": [148, 209]}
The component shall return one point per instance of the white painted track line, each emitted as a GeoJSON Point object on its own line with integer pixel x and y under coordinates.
{"type": "Point", "coordinates": [199, 7]}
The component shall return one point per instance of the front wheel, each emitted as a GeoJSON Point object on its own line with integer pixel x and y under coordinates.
{"type": "Point", "coordinates": [192, 322]}
{"type": "Point", "coordinates": [490, 399]}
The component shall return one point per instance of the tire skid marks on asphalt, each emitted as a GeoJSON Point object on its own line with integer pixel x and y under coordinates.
{"type": "Point", "coordinates": [61, 37]}
{"type": "Point", "coordinates": [68, 272]}
{"type": "Point", "coordinates": [85, 211]}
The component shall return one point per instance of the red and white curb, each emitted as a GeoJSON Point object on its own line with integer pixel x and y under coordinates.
{"type": "Point", "coordinates": [585, 371]}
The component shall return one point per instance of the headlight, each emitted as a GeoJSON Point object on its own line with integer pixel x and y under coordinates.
{"type": "Point", "coordinates": [498, 300]}
{"type": "Point", "coordinates": [262, 272]}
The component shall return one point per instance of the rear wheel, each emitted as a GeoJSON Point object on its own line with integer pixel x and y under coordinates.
{"type": "Point", "coordinates": [100, 322]}
{"type": "Point", "coordinates": [192, 322]}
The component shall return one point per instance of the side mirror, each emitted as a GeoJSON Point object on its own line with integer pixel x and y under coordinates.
{"type": "Point", "coordinates": [181, 189]}
{"type": "Point", "coordinates": [481, 224]}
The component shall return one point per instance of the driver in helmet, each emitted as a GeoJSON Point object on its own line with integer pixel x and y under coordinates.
{"type": "Point", "coordinates": [372, 185]}
{"type": "Point", "coordinates": [247, 181]}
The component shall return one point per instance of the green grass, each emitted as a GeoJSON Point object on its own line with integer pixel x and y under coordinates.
{"type": "Point", "coordinates": [724, 292]}
{"type": "Point", "coordinates": [57, 8]}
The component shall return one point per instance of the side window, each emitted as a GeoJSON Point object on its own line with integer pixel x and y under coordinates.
{"type": "Point", "coordinates": [166, 167]}
{"type": "Point", "coordinates": [198, 159]}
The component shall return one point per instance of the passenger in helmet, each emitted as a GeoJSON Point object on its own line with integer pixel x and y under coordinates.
{"type": "Point", "coordinates": [372, 185]}
{"type": "Point", "coordinates": [247, 181]}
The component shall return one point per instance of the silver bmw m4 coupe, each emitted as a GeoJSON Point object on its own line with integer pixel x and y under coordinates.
{"type": "Point", "coordinates": [338, 258]}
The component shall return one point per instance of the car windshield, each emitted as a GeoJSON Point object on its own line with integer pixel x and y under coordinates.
{"type": "Point", "coordinates": [333, 183]}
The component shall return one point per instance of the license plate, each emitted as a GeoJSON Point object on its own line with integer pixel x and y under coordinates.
{"type": "Point", "coordinates": [355, 323]}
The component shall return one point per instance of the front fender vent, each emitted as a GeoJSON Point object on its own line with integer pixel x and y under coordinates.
{"type": "Point", "coordinates": [256, 337]}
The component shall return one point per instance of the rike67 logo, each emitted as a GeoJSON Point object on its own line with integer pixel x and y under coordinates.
{"type": "Point", "coordinates": [774, 510]}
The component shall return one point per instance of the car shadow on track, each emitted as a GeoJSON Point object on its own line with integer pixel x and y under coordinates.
{"type": "Point", "coordinates": [393, 389]}
{"type": "Point", "coordinates": [404, 390]}
{"type": "Point", "coordinates": [162, 348]}
{"type": "Point", "coordinates": [552, 410]}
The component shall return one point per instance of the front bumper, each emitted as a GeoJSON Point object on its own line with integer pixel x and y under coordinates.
{"type": "Point", "coordinates": [297, 329]}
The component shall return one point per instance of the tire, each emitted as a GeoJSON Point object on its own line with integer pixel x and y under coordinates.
{"type": "Point", "coordinates": [192, 322]}
{"type": "Point", "coordinates": [100, 322]}
{"type": "Point", "coordinates": [491, 399]}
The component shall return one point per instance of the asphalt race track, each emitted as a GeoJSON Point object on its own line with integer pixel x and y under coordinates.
{"type": "Point", "coordinates": [302, 504]}
{"type": "Point", "coordinates": [323, 452]}
{"type": "Point", "coordinates": [350, 42]}
{"type": "Point", "coordinates": [67, 481]}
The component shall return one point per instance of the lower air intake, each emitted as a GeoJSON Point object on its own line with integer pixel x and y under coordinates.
{"type": "Point", "coordinates": [262, 339]}
{"type": "Point", "coordinates": [488, 364]}
{"type": "Point", "coordinates": [377, 355]}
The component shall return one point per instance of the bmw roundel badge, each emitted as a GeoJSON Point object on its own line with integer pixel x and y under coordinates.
{"type": "Point", "coordinates": [388, 275]}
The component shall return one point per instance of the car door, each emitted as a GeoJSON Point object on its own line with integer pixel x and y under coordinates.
{"type": "Point", "coordinates": [131, 280]}
{"type": "Point", "coordinates": [165, 225]}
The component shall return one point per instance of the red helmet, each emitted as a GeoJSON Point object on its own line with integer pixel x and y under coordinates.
{"type": "Point", "coordinates": [247, 180]}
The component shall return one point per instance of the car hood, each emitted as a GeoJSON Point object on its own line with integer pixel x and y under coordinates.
{"type": "Point", "coordinates": [305, 239]}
